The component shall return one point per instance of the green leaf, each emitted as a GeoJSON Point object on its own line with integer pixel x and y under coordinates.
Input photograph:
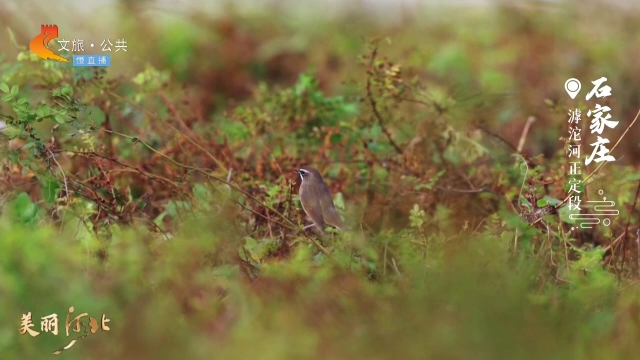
{"type": "Point", "coordinates": [551, 200]}
{"type": "Point", "coordinates": [526, 203]}
{"type": "Point", "coordinates": [4, 87]}
{"type": "Point", "coordinates": [200, 192]}
{"type": "Point", "coordinates": [235, 131]}
{"type": "Point", "coordinates": [7, 98]}
{"type": "Point", "coordinates": [250, 242]}
{"type": "Point", "coordinates": [14, 90]}
{"type": "Point", "coordinates": [59, 118]}
{"type": "Point", "coordinates": [12, 37]}
{"type": "Point", "coordinates": [263, 248]}
{"type": "Point", "coordinates": [23, 208]}
{"type": "Point", "coordinates": [564, 213]}
{"type": "Point", "coordinates": [11, 131]}
{"type": "Point", "coordinates": [141, 205]}
{"type": "Point", "coordinates": [49, 189]}
{"type": "Point", "coordinates": [631, 177]}
{"type": "Point", "coordinates": [339, 201]}
{"type": "Point", "coordinates": [273, 191]}
{"type": "Point", "coordinates": [416, 216]}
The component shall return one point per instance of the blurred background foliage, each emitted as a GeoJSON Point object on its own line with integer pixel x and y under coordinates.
{"type": "Point", "coordinates": [160, 191]}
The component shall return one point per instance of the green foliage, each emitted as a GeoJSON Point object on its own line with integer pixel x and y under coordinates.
{"type": "Point", "coordinates": [23, 209]}
{"type": "Point", "coordinates": [303, 105]}
{"type": "Point", "coordinates": [479, 302]}
{"type": "Point", "coordinates": [418, 216]}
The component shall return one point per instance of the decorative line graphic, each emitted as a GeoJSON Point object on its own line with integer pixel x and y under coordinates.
{"type": "Point", "coordinates": [39, 44]}
{"type": "Point", "coordinates": [603, 208]}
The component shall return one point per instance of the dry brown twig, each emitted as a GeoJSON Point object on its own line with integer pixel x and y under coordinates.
{"type": "Point", "coordinates": [525, 132]}
{"type": "Point", "coordinates": [64, 178]}
{"type": "Point", "coordinates": [154, 116]}
{"type": "Point", "coordinates": [374, 105]}
{"type": "Point", "coordinates": [288, 223]}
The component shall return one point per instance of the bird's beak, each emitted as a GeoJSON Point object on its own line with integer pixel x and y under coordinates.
{"type": "Point", "coordinates": [296, 170]}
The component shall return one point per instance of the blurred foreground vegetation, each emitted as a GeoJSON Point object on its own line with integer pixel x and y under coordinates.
{"type": "Point", "coordinates": [160, 191]}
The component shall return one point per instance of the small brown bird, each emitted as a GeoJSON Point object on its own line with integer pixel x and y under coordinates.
{"type": "Point", "coordinates": [317, 201]}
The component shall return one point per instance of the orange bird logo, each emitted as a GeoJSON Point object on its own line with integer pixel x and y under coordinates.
{"type": "Point", "coordinates": [39, 43]}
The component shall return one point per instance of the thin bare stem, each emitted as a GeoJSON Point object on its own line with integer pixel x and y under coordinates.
{"type": "Point", "coordinates": [64, 179]}
{"type": "Point", "coordinates": [289, 223]}
{"type": "Point", "coordinates": [209, 154]}
{"type": "Point", "coordinates": [525, 132]}
{"type": "Point", "coordinates": [374, 106]}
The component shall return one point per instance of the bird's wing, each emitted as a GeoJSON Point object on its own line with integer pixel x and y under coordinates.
{"type": "Point", "coordinates": [314, 210]}
{"type": "Point", "coordinates": [330, 214]}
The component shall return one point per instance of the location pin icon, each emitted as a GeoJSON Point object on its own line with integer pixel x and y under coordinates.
{"type": "Point", "coordinates": [573, 87]}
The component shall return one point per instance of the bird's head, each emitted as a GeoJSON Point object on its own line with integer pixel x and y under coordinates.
{"type": "Point", "coordinates": [309, 174]}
